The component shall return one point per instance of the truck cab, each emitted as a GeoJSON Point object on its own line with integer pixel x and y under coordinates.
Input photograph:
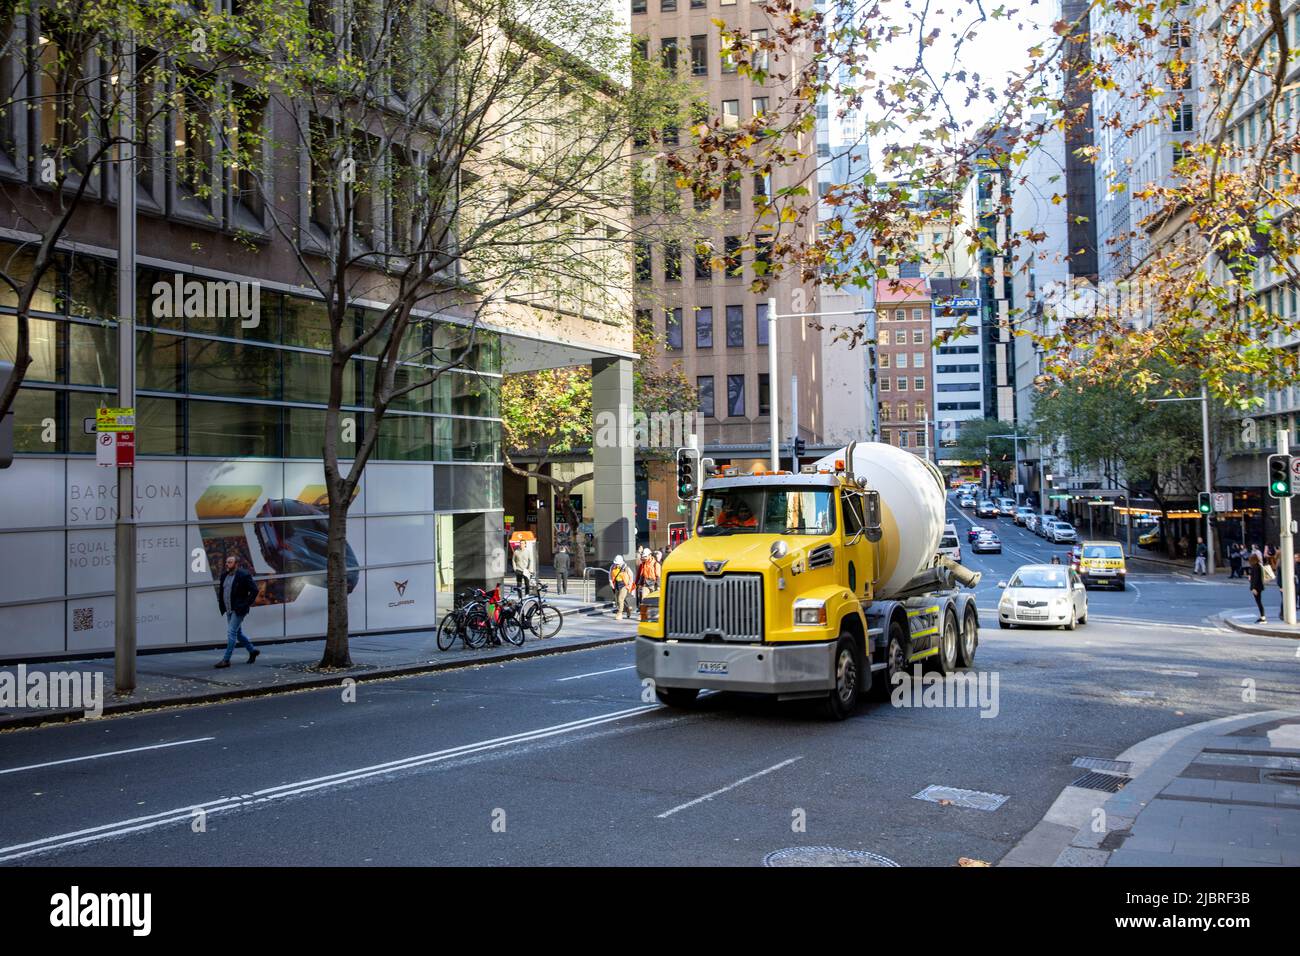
{"type": "Point", "coordinates": [775, 593]}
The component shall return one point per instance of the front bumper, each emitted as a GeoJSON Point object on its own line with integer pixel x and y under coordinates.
{"type": "Point", "coordinates": [1018, 615]}
{"type": "Point", "coordinates": [751, 668]}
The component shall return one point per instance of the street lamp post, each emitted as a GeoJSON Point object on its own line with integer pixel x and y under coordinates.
{"type": "Point", "coordinates": [774, 406]}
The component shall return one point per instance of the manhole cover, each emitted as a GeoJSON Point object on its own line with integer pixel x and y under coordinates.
{"type": "Point", "coordinates": [1106, 782]}
{"type": "Point", "coordinates": [1101, 763]}
{"type": "Point", "coordinates": [824, 856]}
{"type": "Point", "coordinates": [970, 799]}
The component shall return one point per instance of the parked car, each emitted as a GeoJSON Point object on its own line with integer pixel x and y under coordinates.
{"type": "Point", "coordinates": [1061, 532]}
{"type": "Point", "coordinates": [1045, 525]}
{"type": "Point", "coordinates": [987, 543]}
{"type": "Point", "coordinates": [1048, 595]}
{"type": "Point", "coordinates": [1031, 522]}
{"type": "Point", "coordinates": [986, 509]}
{"type": "Point", "coordinates": [1023, 513]}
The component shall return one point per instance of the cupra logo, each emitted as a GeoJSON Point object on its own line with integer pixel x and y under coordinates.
{"type": "Point", "coordinates": [401, 586]}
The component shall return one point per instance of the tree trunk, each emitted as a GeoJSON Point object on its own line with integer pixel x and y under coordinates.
{"type": "Point", "coordinates": [336, 652]}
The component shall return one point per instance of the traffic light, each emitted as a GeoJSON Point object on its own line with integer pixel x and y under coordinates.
{"type": "Point", "coordinates": [688, 473]}
{"type": "Point", "coordinates": [798, 447]}
{"type": "Point", "coordinates": [1279, 476]}
{"type": "Point", "coordinates": [1203, 503]}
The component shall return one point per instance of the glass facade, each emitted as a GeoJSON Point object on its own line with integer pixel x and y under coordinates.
{"type": "Point", "coordinates": [231, 418]}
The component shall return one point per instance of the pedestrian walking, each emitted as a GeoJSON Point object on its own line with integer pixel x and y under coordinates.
{"type": "Point", "coordinates": [1255, 577]}
{"type": "Point", "coordinates": [236, 592]}
{"type": "Point", "coordinates": [562, 569]}
{"type": "Point", "coordinates": [620, 579]}
{"type": "Point", "coordinates": [643, 570]}
{"type": "Point", "coordinates": [1201, 554]}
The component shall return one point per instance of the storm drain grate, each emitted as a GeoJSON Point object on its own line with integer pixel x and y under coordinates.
{"type": "Point", "coordinates": [970, 799]}
{"type": "Point", "coordinates": [1106, 782]}
{"type": "Point", "coordinates": [1101, 763]}
{"type": "Point", "coordinates": [824, 856]}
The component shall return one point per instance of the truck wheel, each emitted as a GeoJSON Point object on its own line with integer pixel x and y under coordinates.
{"type": "Point", "coordinates": [945, 662]}
{"type": "Point", "coordinates": [970, 638]}
{"type": "Point", "coordinates": [677, 696]}
{"type": "Point", "coordinates": [897, 651]}
{"type": "Point", "coordinates": [842, 700]}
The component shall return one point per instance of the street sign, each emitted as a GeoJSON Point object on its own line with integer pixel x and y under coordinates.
{"type": "Point", "coordinates": [1222, 501]}
{"type": "Point", "coordinates": [651, 509]}
{"type": "Point", "coordinates": [88, 426]}
{"type": "Point", "coordinates": [115, 449]}
{"type": "Point", "coordinates": [115, 419]}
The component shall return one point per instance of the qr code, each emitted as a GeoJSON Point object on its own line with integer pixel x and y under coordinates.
{"type": "Point", "coordinates": [83, 618]}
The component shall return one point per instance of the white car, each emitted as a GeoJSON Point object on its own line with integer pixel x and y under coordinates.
{"type": "Point", "coordinates": [1031, 522]}
{"type": "Point", "coordinates": [1061, 532]}
{"type": "Point", "coordinates": [1047, 595]}
{"type": "Point", "coordinates": [1007, 507]}
{"type": "Point", "coordinates": [949, 545]}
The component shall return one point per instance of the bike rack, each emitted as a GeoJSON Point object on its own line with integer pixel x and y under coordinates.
{"type": "Point", "coordinates": [589, 594]}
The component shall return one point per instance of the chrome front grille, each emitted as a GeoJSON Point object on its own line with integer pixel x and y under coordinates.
{"type": "Point", "coordinates": [727, 606]}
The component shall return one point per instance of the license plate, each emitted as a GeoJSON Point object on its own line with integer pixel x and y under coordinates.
{"type": "Point", "coordinates": [713, 667]}
{"type": "Point", "coordinates": [1033, 615]}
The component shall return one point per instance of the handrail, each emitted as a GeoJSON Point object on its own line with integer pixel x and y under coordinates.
{"type": "Point", "coordinates": [590, 595]}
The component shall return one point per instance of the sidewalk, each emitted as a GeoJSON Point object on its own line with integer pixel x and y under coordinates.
{"type": "Point", "coordinates": [1246, 620]}
{"type": "Point", "coordinates": [172, 678]}
{"type": "Point", "coordinates": [1224, 792]}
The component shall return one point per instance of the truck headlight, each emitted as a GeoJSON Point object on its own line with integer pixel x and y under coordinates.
{"type": "Point", "coordinates": [650, 610]}
{"type": "Point", "coordinates": [810, 613]}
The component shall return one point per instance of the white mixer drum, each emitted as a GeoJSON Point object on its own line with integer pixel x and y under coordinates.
{"type": "Point", "coordinates": [912, 505]}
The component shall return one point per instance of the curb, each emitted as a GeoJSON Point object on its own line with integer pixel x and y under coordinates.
{"type": "Point", "coordinates": [1064, 837]}
{"type": "Point", "coordinates": [1257, 630]}
{"type": "Point", "coordinates": [42, 718]}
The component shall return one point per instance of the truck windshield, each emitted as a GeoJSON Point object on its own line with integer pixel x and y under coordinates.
{"type": "Point", "coordinates": [758, 510]}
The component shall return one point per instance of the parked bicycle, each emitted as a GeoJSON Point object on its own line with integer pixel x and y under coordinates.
{"type": "Point", "coordinates": [542, 619]}
{"type": "Point", "coordinates": [468, 621]}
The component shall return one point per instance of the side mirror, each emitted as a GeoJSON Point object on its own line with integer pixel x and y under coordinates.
{"type": "Point", "coordinates": [1002, 584]}
{"type": "Point", "coordinates": [871, 515]}
{"type": "Point", "coordinates": [779, 550]}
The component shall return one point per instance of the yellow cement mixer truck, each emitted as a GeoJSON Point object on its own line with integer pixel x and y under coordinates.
{"type": "Point", "coordinates": [824, 584]}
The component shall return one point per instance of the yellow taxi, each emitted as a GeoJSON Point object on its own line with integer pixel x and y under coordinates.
{"type": "Point", "coordinates": [1102, 562]}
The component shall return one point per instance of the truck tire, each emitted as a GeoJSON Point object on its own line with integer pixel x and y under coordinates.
{"type": "Point", "coordinates": [897, 651]}
{"type": "Point", "coordinates": [842, 699]}
{"type": "Point", "coordinates": [945, 662]}
{"type": "Point", "coordinates": [680, 697]}
{"type": "Point", "coordinates": [970, 638]}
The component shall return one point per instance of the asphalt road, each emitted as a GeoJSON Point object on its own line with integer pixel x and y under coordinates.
{"type": "Point", "coordinates": [558, 760]}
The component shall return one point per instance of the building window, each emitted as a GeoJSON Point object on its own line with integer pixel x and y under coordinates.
{"type": "Point", "coordinates": [901, 360]}
{"type": "Point", "coordinates": [884, 413]}
{"type": "Point", "coordinates": [703, 261]}
{"type": "Point", "coordinates": [735, 326]}
{"type": "Point", "coordinates": [916, 315]}
{"type": "Point", "coordinates": [760, 313]}
{"type": "Point", "coordinates": [887, 436]}
{"type": "Point", "coordinates": [886, 385]}
{"type": "Point", "coordinates": [731, 248]}
{"type": "Point", "coordinates": [728, 63]}
{"type": "Point", "coordinates": [731, 196]}
{"type": "Point", "coordinates": [760, 105]}
{"type": "Point", "coordinates": [918, 385]}
{"type": "Point", "coordinates": [730, 114]}
{"type": "Point", "coordinates": [704, 393]}
{"type": "Point", "coordinates": [638, 6]}
{"type": "Point", "coordinates": [918, 337]}
{"type": "Point", "coordinates": [762, 188]}
{"type": "Point", "coordinates": [1184, 120]}
{"type": "Point", "coordinates": [668, 53]}
{"type": "Point", "coordinates": [920, 409]}
{"type": "Point", "coordinates": [902, 411]}
{"type": "Point", "coordinates": [699, 4]}
{"type": "Point", "coordinates": [920, 440]}
{"type": "Point", "coordinates": [902, 439]}
{"type": "Point", "coordinates": [823, 150]}
{"type": "Point", "coordinates": [902, 383]}
{"type": "Point", "coordinates": [884, 360]}
{"type": "Point", "coordinates": [883, 338]}
{"type": "Point", "coordinates": [735, 396]}
{"type": "Point", "coordinates": [918, 360]}
{"type": "Point", "coordinates": [673, 330]}
{"type": "Point", "coordinates": [908, 270]}
{"type": "Point", "coordinates": [764, 394]}
{"type": "Point", "coordinates": [644, 266]}
{"type": "Point", "coordinates": [672, 261]}
{"type": "Point", "coordinates": [704, 328]}
{"type": "Point", "coordinates": [900, 315]}
{"type": "Point", "coordinates": [760, 56]}
{"type": "Point", "coordinates": [700, 55]}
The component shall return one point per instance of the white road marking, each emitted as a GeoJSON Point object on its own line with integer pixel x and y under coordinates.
{"type": "Point", "coordinates": [612, 670]}
{"type": "Point", "coordinates": [730, 786]}
{"type": "Point", "coordinates": [221, 804]}
{"type": "Point", "coordinates": [1177, 673]}
{"type": "Point", "coordinates": [111, 753]}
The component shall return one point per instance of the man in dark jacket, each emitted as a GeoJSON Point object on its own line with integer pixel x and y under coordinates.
{"type": "Point", "coordinates": [236, 593]}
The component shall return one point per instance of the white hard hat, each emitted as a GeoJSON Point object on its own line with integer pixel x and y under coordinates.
{"type": "Point", "coordinates": [618, 559]}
